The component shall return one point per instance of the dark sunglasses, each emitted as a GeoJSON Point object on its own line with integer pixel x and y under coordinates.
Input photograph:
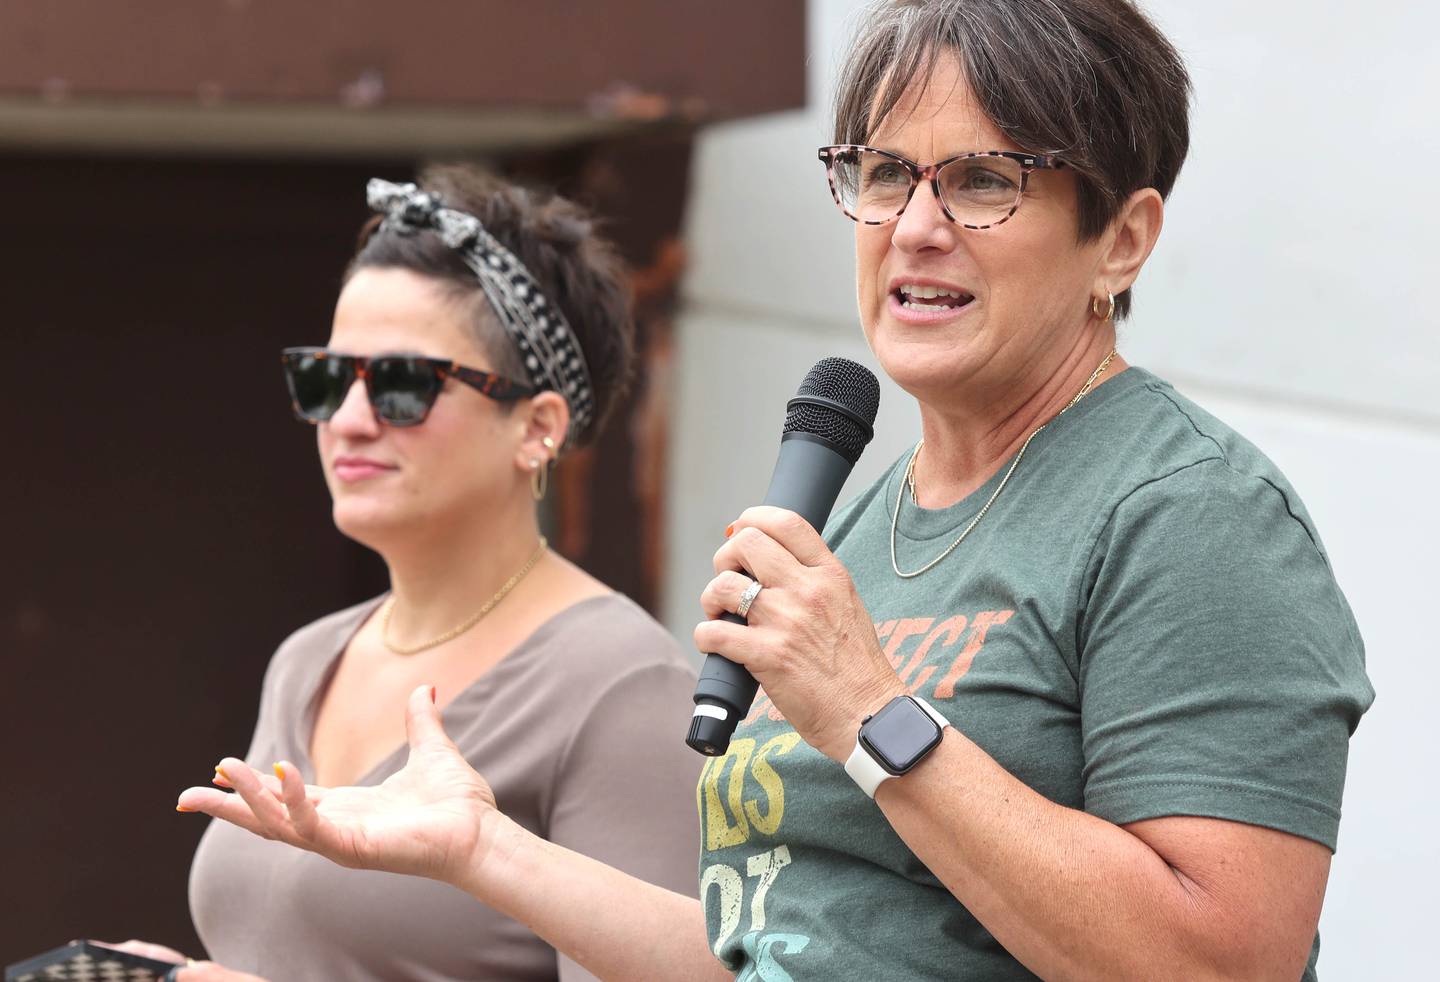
{"type": "Point", "coordinates": [401, 388]}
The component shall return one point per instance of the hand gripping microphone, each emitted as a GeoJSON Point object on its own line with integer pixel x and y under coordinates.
{"type": "Point", "coordinates": [827, 424]}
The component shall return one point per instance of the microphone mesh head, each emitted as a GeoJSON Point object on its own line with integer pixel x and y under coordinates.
{"type": "Point", "coordinates": [853, 386]}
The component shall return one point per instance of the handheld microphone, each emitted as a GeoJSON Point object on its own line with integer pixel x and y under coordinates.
{"type": "Point", "coordinates": [827, 425]}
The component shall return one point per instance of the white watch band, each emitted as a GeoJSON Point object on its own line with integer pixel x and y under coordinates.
{"type": "Point", "coordinates": [866, 771]}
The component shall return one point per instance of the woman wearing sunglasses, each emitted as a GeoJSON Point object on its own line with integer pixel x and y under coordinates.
{"type": "Point", "coordinates": [1068, 692]}
{"type": "Point", "coordinates": [481, 332]}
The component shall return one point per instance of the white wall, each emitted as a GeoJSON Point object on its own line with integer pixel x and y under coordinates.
{"type": "Point", "coordinates": [1288, 295]}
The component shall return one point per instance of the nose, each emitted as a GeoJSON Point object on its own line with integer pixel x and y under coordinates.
{"type": "Point", "coordinates": [355, 417]}
{"type": "Point", "coordinates": [924, 224]}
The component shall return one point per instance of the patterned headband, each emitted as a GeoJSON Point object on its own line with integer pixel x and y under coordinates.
{"type": "Point", "coordinates": [548, 346]}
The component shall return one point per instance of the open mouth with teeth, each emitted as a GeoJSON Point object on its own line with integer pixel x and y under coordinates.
{"type": "Point", "coordinates": [913, 296]}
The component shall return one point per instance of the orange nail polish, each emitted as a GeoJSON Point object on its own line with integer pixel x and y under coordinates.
{"type": "Point", "coordinates": [729, 531]}
{"type": "Point", "coordinates": [280, 772]}
{"type": "Point", "coordinates": [221, 771]}
{"type": "Point", "coordinates": [182, 808]}
{"type": "Point", "coordinates": [432, 694]}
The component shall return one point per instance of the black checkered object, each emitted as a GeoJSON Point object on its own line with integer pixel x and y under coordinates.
{"type": "Point", "coordinates": [85, 961]}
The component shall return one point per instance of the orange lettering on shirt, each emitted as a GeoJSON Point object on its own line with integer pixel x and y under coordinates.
{"type": "Point", "coordinates": [762, 706]}
{"type": "Point", "coordinates": [980, 627]}
{"type": "Point", "coordinates": [756, 708]}
{"type": "Point", "coordinates": [952, 628]}
{"type": "Point", "coordinates": [907, 628]}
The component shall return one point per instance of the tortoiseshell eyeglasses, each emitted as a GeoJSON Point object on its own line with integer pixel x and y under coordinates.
{"type": "Point", "coordinates": [401, 388]}
{"type": "Point", "coordinates": [975, 190]}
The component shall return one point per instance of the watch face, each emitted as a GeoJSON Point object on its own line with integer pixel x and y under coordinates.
{"type": "Point", "coordinates": [899, 735]}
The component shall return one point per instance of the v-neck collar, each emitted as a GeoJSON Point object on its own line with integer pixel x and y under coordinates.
{"type": "Point", "coordinates": [317, 684]}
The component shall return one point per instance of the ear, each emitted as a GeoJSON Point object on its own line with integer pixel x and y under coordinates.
{"type": "Point", "coordinates": [543, 416]}
{"type": "Point", "coordinates": [1128, 242]}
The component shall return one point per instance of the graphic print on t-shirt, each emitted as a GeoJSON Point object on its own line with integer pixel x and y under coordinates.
{"type": "Point", "coordinates": [912, 666]}
{"type": "Point", "coordinates": [1148, 603]}
{"type": "Point", "coordinates": [741, 799]}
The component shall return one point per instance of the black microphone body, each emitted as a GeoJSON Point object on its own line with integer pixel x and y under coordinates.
{"type": "Point", "coordinates": [823, 439]}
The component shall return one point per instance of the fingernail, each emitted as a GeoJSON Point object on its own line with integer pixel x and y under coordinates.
{"type": "Point", "coordinates": [182, 808]}
{"type": "Point", "coordinates": [729, 531]}
{"type": "Point", "coordinates": [432, 694]}
{"type": "Point", "coordinates": [280, 772]}
{"type": "Point", "coordinates": [221, 771]}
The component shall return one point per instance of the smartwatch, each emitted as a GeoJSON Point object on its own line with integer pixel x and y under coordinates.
{"type": "Point", "coordinates": [893, 741]}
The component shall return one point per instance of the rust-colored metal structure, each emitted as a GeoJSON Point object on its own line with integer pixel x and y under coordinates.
{"type": "Point", "coordinates": [360, 76]}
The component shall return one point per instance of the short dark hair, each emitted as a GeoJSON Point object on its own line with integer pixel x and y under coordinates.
{"type": "Point", "coordinates": [1091, 81]}
{"type": "Point", "coordinates": [557, 240]}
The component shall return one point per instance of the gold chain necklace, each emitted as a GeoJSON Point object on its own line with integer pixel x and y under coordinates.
{"type": "Point", "coordinates": [909, 481]}
{"type": "Point", "coordinates": [471, 621]}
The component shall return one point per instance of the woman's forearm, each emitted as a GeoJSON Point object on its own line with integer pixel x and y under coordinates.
{"type": "Point", "coordinates": [618, 927]}
{"type": "Point", "coordinates": [1071, 895]}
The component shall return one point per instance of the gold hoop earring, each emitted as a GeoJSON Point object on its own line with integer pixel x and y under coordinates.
{"type": "Point", "coordinates": [540, 471]}
{"type": "Point", "coordinates": [1109, 309]}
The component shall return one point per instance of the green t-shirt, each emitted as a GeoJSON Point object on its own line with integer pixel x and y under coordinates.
{"type": "Point", "coordinates": [1144, 624]}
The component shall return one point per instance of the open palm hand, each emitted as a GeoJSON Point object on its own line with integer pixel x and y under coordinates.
{"type": "Point", "coordinates": [429, 819]}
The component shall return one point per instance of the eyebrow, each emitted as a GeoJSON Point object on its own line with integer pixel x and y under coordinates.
{"type": "Point", "coordinates": [947, 156]}
{"type": "Point", "coordinates": [961, 153]}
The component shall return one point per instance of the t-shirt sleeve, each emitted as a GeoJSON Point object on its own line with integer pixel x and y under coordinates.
{"type": "Point", "coordinates": [1221, 671]}
{"type": "Point", "coordinates": [625, 791]}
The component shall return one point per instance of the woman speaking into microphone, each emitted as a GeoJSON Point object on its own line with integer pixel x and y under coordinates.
{"type": "Point", "coordinates": [1067, 693]}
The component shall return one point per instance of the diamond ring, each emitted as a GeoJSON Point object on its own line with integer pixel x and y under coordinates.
{"type": "Point", "coordinates": [748, 598]}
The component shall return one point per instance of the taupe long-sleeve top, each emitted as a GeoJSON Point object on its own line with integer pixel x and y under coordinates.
{"type": "Point", "coordinates": [579, 730]}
